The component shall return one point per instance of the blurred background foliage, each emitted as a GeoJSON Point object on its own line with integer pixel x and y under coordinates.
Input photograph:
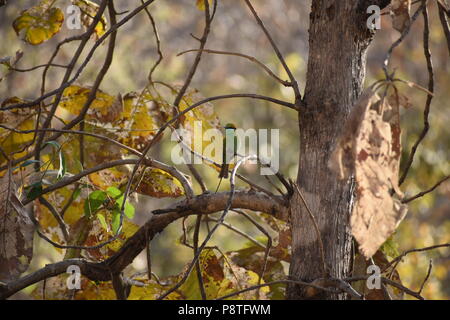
{"type": "Point", "coordinates": [428, 220]}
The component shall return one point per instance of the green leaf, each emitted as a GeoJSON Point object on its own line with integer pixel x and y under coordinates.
{"type": "Point", "coordinates": [113, 192]}
{"type": "Point", "coordinates": [76, 194]}
{"type": "Point", "coordinates": [54, 144]}
{"type": "Point", "coordinates": [39, 23]}
{"type": "Point", "coordinates": [129, 208]}
{"type": "Point", "coordinates": [35, 190]}
{"type": "Point", "coordinates": [102, 220]}
{"type": "Point", "coordinates": [390, 247]}
{"type": "Point", "coordinates": [26, 164]}
{"type": "Point", "coordinates": [115, 221]}
{"type": "Point", "coordinates": [94, 201]}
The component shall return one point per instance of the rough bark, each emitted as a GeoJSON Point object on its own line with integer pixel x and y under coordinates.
{"type": "Point", "coordinates": [338, 39]}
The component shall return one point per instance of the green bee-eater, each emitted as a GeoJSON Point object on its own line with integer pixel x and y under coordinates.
{"type": "Point", "coordinates": [229, 150]}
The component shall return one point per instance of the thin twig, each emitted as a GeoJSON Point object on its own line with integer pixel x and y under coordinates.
{"type": "Point", "coordinates": [268, 284]}
{"type": "Point", "coordinates": [210, 234]}
{"type": "Point", "coordinates": [294, 83]}
{"type": "Point", "coordinates": [269, 242]}
{"type": "Point", "coordinates": [444, 23]}
{"type": "Point", "coordinates": [389, 282]}
{"type": "Point", "coordinates": [421, 194]}
{"type": "Point", "coordinates": [195, 248]}
{"type": "Point", "coordinates": [399, 41]}
{"type": "Point", "coordinates": [149, 161]}
{"type": "Point", "coordinates": [59, 90]}
{"type": "Point", "coordinates": [238, 231]}
{"type": "Point", "coordinates": [252, 59]}
{"type": "Point", "coordinates": [430, 266]}
{"type": "Point", "coordinates": [426, 112]}
{"type": "Point", "coordinates": [158, 43]}
{"type": "Point", "coordinates": [400, 257]}
{"type": "Point", "coordinates": [57, 217]}
{"type": "Point", "coordinates": [37, 67]}
{"type": "Point", "coordinates": [203, 39]}
{"type": "Point", "coordinates": [175, 118]}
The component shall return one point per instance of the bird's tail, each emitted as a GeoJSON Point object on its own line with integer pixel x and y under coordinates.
{"type": "Point", "coordinates": [224, 171]}
{"type": "Point", "coordinates": [223, 174]}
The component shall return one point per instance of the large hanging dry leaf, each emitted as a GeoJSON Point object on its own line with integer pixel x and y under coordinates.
{"type": "Point", "coordinates": [16, 235]}
{"type": "Point", "coordinates": [370, 148]}
{"type": "Point", "coordinates": [342, 160]}
{"type": "Point", "coordinates": [401, 14]}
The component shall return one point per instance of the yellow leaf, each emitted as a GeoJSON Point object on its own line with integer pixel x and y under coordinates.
{"type": "Point", "coordinates": [19, 119]}
{"type": "Point", "coordinates": [108, 177]}
{"type": "Point", "coordinates": [152, 290]}
{"type": "Point", "coordinates": [141, 118]}
{"type": "Point", "coordinates": [104, 108]}
{"type": "Point", "coordinates": [159, 184]}
{"type": "Point", "coordinates": [198, 121]}
{"type": "Point", "coordinates": [91, 290]}
{"type": "Point", "coordinates": [39, 23]}
{"type": "Point", "coordinates": [201, 4]}
{"type": "Point", "coordinates": [89, 10]}
{"type": "Point", "coordinates": [212, 274]}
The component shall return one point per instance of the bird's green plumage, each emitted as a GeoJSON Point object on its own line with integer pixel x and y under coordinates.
{"type": "Point", "coordinates": [228, 153]}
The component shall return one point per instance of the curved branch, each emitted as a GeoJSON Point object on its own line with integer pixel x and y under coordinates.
{"type": "Point", "coordinates": [59, 90]}
{"type": "Point", "coordinates": [245, 56]}
{"type": "Point", "coordinates": [167, 124]}
{"type": "Point", "coordinates": [50, 270]}
{"type": "Point", "coordinates": [202, 204]}
{"type": "Point", "coordinates": [147, 162]}
{"type": "Point", "coordinates": [426, 112]}
{"type": "Point", "coordinates": [298, 96]}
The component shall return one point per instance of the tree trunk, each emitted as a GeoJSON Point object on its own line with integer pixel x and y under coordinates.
{"type": "Point", "coordinates": [338, 39]}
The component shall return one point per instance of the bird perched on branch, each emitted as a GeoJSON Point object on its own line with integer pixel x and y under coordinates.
{"type": "Point", "coordinates": [229, 150]}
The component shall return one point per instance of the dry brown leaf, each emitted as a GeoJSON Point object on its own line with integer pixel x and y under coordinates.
{"type": "Point", "coordinates": [342, 159]}
{"type": "Point", "coordinates": [16, 235]}
{"type": "Point", "coordinates": [372, 152]}
{"type": "Point", "coordinates": [400, 100]}
{"type": "Point", "coordinates": [401, 14]}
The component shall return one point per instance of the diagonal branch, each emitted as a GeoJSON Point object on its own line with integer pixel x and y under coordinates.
{"type": "Point", "coordinates": [202, 204]}
{"type": "Point", "coordinates": [444, 22]}
{"type": "Point", "coordinates": [228, 206]}
{"type": "Point", "coordinates": [294, 84]}
{"type": "Point", "coordinates": [421, 194]}
{"type": "Point", "coordinates": [426, 112]}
